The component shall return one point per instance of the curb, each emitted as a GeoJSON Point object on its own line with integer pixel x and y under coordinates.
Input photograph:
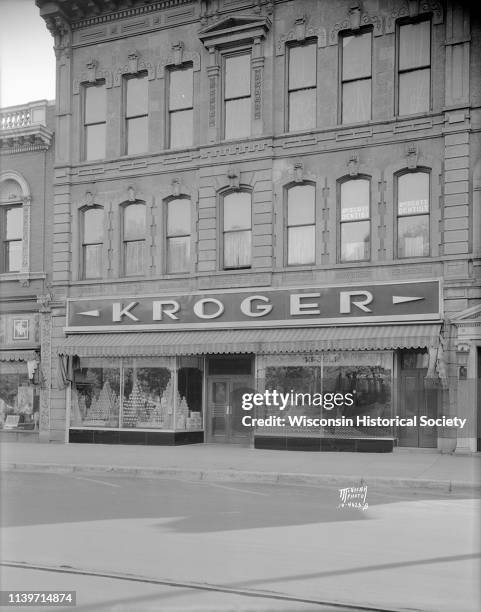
{"type": "Point", "coordinates": [231, 475]}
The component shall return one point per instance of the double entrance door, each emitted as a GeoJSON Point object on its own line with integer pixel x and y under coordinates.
{"type": "Point", "coordinates": [224, 413]}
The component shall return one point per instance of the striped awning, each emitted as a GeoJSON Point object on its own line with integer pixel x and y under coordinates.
{"type": "Point", "coordinates": [279, 340]}
{"type": "Point", "coordinates": [19, 355]}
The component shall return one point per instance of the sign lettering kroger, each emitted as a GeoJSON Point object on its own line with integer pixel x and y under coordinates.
{"type": "Point", "coordinates": [242, 308]}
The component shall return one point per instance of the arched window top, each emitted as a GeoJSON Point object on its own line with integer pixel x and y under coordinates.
{"type": "Point", "coordinates": [93, 224]}
{"type": "Point", "coordinates": [134, 221]}
{"type": "Point", "coordinates": [355, 197]}
{"type": "Point", "coordinates": [301, 202]}
{"type": "Point", "coordinates": [237, 210]}
{"type": "Point", "coordinates": [413, 193]}
{"type": "Point", "coordinates": [13, 187]}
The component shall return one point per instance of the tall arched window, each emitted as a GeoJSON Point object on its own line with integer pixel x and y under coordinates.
{"type": "Point", "coordinates": [178, 235]}
{"type": "Point", "coordinates": [355, 220]}
{"type": "Point", "coordinates": [14, 205]}
{"type": "Point", "coordinates": [413, 214]}
{"type": "Point", "coordinates": [134, 236]}
{"type": "Point", "coordinates": [301, 219]}
{"type": "Point", "coordinates": [92, 242]}
{"type": "Point", "coordinates": [237, 234]}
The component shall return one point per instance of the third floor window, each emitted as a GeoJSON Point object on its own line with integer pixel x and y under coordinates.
{"type": "Point", "coordinates": [136, 115]}
{"type": "Point", "coordinates": [181, 107]}
{"type": "Point", "coordinates": [356, 78]}
{"type": "Point", "coordinates": [302, 87]}
{"type": "Point", "coordinates": [95, 114]}
{"type": "Point", "coordinates": [237, 96]}
{"type": "Point", "coordinates": [414, 64]}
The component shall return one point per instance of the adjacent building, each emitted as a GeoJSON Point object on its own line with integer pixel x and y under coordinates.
{"type": "Point", "coordinates": [265, 195]}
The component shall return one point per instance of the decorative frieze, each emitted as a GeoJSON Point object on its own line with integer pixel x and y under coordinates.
{"type": "Point", "coordinates": [299, 32]}
{"type": "Point", "coordinates": [413, 8]}
{"type": "Point", "coordinates": [135, 63]}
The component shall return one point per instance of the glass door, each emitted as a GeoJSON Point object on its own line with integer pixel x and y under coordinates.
{"type": "Point", "coordinates": [224, 416]}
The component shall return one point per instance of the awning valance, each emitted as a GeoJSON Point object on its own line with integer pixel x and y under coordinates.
{"type": "Point", "coordinates": [279, 340]}
{"type": "Point", "coordinates": [18, 355]}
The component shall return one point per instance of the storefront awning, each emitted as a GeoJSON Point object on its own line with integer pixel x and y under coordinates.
{"type": "Point", "coordinates": [283, 340]}
{"type": "Point", "coordinates": [18, 355]}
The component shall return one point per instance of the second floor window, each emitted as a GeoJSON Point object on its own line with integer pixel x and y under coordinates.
{"type": "Point", "coordinates": [301, 240]}
{"type": "Point", "coordinates": [95, 113]}
{"type": "Point", "coordinates": [136, 115]}
{"type": "Point", "coordinates": [302, 87]}
{"type": "Point", "coordinates": [237, 216]}
{"type": "Point", "coordinates": [181, 107]}
{"type": "Point", "coordinates": [237, 96]}
{"type": "Point", "coordinates": [414, 78]}
{"type": "Point", "coordinates": [355, 220]}
{"type": "Point", "coordinates": [134, 230]}
{"type": "Point", "coordinates": [413, 214]}
{"type": "Point", "coordinates": [356, 78]}
{"type": "Point", "coordinates": [12, 237]}
{"type": "Point", "coordinates": [178, 236]}
{"type": "Point", "coordinates": [92, 242]}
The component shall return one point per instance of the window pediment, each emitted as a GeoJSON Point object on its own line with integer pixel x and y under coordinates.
{"type": "Point", "coordinates": [237, 29]}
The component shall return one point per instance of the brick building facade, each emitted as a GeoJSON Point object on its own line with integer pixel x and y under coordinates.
{"type": "Point", "coordinates": [264, 194]}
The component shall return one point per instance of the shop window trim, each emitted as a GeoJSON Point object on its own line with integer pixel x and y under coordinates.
{"type": "Point", "coordinates": [85, 125]}
{"type": "Point", "coordinates": [168, 236]}
{"type": "Point", "coordinates": [342, 81]}
{"type": "Point", "coordinates": [398, 71]}
{"type": "Point", "coordinates": [83, 211]}
{"type": "Point", "coordinates": [287, 189]}
{"type": "Point", "coordinates": [23, 200]}
{"type": "Point", "coordinates": [222, 198]}
{"type": "Point", "coordinates": [397, 176]}
{"type": "Point", "coordinates": [305, 43]}
{"type": "Point", "coordinates": [170, 113]}
{"type": "Point", "coordinates": [123, 208]}
{"type": "Point", "coordinates": [340, 222]}
{"type": "Point", "coordinates": [126, 118]}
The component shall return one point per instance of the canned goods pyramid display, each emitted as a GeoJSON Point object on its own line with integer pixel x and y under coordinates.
{"type": "Point", "coordinates": [104, 409]}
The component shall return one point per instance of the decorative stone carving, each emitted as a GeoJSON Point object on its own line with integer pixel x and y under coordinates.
{"type": "Point", "coordinates": [299, 32]}
{"type": "Point", "coordinates": [91, 74]}
{"type": "Point", "coordinates": [176, 187]}
{"type": "Point", "coordinates": [177, 57]}
{"type": "Point", "coordinates": [134, 65]}
{"type": "Point", "coordinates": [413, 8]}
{"type": "Point", "coordinates": [298, 171]}
{"type": "Point", "coordinates": [131, 194]}
{"type": "Point", "coordinates": [353, 165]}
{"type": "Point", "coordinates": [233, 176]}
{"type": "Point", "coordinates": [412, 156]}
{"type": "Point", "coordinates": [60, 30]}
{"type": "Point", "coordinates": [354, 20]}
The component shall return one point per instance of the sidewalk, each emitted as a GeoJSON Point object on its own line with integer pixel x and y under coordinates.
{"type": "Point", "coordinates": [218, 462]}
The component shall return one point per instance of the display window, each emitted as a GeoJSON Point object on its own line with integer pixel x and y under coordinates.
{"type": "Point", "coordinates": [19, 398]}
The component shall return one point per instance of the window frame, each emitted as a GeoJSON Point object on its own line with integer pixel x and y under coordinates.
{"type": "Point", "coordinates": [340, 222]}
{"type": "Point", "coordinates": [167, 201]}
{"type": "Point", "coordinates": [225, 55]}
{"type": "Point", "coordinates": [4, 256]}
{"type": "Point", "coordinates": [222, 197]}
{"type": "Point", "coordinates": [341, 81]}
{"type": "Point", "coordinates": [398, 72]}
{"type": "Point", "coordinates": [168, 123]}
{"type": "Point", "coordinates": [85, 87]}
{"type": "Point", "coordinates": [124, 207]}
{"type": "Point", "coordinates": [125, 139]}
{"type": "Point", "coordinates": [288, 90]}
{"type": "Point", "coordinates": [287, 188]}
{"type": "Point", "coordinates": [397, 216]}
{"type": "Point", "coordinates": [83, 211]}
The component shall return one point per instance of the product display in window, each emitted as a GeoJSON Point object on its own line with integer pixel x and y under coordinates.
{"type": "Point", "coordinates": [19, 402]}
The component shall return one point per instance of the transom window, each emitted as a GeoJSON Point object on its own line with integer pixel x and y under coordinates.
{"type": "Point", "coordinates": [301, 214]}
{"type": "Point", "coordinates": [134, 230]}
{"type": "Point", "coordinates": [413, 214]}
{"type": "Point", "coordinates": [136, 114]}
{"type": "Point", "coordinates": [178, 235]}
{"type": "Point", "coordinates": [355, 220]}
{"type": "Point", "coordinates": [181, 107]}
{"type": "Point", "coordinates": [237, 215]}
{"type": "Point", "coordinates": [414, 65]}
{"type": "Point", "coordinates": [11, 230]}
{"type": "Point", "coordinates": [95, 121]}
{"type": "Point", "coordinates": [302, 86]}
{"type": "Point", "coordinates": [92, 242]}
{"type": "Point", "coordinates": [237, 96]}
{"type": "Point", "coordinates": [356, 77]}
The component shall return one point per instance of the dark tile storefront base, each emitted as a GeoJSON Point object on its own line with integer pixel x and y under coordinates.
{"type": "Point", "coordinates": [152, 438]}
{"type": "Point", "coordinates": [360, 445]}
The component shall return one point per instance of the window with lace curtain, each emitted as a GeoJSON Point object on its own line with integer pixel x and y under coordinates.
{"type": "Point", "coordinates": [178, 235]}
{"type": "Point", "coordinates": [134, 238]}
{"type": "Point", "coordinates": [413, 214]}
{"type": "Point", "coordinates": [414, 67]}
{"type": "Point", "coordinates": [301, 219]}
{"type": "Point", "coordinates": [92, 242]}
{"type": "Point", "coordinates": [237, 230]}
{"type": "Point", "coordinates": [355, 227]}
{"type": "Point", "coordinates": [356, 75]}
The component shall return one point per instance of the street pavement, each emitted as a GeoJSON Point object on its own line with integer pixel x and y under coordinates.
{"type": "Point", "coordinates": [160, 544]}
{"type": "Point", "coordinates": [403, 468]}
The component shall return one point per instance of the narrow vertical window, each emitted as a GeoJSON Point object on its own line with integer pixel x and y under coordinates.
{"type": "Point", "coordinates": [178, 235]}
{"type": "Point", "coordinates": [301, 241]}
{"type": "Point", "coordinates": [12, 236]}
{"type": "Point", "coordinates": [355, 220]}
{"type": "Point", "coordinates": [95, 113]}
{"type": "Point", "coordinates": [356, 78]}
{"type": "Point", "coordinates": [181, 107]}
{"type": "Point", "coordinates": [237, 230]}
{"type": "Point", "coordinates": [414, 65]}
{"type": "Point", "coordinates": [136, 115]}
{"type": "Point", "coordinates": [413, 214]}
{"type": "Point", "coordinates": [302, 87]}
{"type": "Point", "coordinates": [134, 226]}
{"type": "Point", "coordinates": [237, 96]}
{"type": "Point", "coordinates": [92, 242]}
